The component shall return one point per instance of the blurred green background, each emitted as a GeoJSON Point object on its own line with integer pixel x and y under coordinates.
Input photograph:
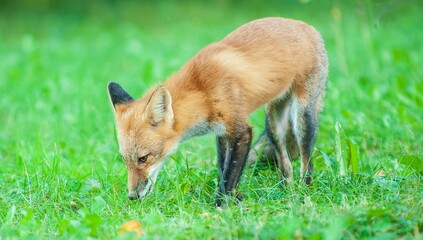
{"type": "Point", "coordinates": [57, 146]}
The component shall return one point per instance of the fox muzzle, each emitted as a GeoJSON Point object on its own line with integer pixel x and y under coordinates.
{"type": "Point", "coordinates": [132, 195]}
{"type": "Point", "coordinates": [142, 188]}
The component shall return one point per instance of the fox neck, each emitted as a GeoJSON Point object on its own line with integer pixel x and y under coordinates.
{"type": "Point", "coordinates": [192, 113]}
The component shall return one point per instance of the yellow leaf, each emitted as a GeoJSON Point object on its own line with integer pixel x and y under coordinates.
{"type": "Point", "coordinates": [131, 226]}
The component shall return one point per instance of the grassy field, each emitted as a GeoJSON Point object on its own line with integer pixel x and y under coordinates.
{"type": "Point", "coordinates": [61, 176]}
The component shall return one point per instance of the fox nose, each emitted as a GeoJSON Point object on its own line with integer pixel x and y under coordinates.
{"type": "Point", "coordinates": [133, 195]}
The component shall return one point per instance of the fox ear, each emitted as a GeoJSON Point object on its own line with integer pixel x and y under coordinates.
{"type": "Point", "coordinates": [117, 94]}
{"type": "Point", "coordinates": [159, 108]}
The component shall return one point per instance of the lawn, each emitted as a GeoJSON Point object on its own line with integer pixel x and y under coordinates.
{"type": "Point", "coordinates": [61, 175]}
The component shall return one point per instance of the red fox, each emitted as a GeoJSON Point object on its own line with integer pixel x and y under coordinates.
{"type": "Point", "coordinates": [276, 62]}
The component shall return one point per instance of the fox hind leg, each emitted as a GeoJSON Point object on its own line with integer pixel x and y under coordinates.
{"type": "Point", "coordinates": [279, 129]}
{"type": "Point", "coordinates": [304, 118]}
{"type": "Point", "coordinates": [304, 121]}
{"type": "Point", "coordinates": [263, 149]}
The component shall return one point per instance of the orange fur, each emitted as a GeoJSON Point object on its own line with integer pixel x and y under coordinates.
{"type": "Point", "coordinates": [255, 64]}
{"type": "Point", "coordinates": [260, 62]}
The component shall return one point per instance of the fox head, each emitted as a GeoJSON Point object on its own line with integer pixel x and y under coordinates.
{"type": "Point", "coordinates": [145, 135]}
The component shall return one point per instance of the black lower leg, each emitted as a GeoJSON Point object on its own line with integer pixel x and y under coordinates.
{"type": "Point", "coordinates": [240, 146]}
{"type": "Point", "coordinates": [222, 153]}
{"type": "Point", "coordinates": [307, 143]}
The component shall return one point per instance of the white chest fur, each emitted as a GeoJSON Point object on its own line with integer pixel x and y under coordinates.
{"type": "Point", "coordinates": [203, 128]}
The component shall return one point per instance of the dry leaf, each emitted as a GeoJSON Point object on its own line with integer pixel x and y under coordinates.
{"type": "Point", "coordinates": [131, 226]}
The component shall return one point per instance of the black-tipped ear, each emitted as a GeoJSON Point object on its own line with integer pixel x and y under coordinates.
{"type": "Point", "coordinates": [117, 94]}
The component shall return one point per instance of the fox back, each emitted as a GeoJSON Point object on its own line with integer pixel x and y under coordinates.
{"type": "Point", "coordinates": [276, 62]}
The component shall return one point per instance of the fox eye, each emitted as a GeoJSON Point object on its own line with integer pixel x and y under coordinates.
{"type": "Point", "coordinates": [142, 159]}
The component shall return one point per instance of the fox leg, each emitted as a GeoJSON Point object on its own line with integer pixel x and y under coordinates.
{"type": "Point", "coordinates": [305, 122]}
{"type": "Point", "coordinates": [279, 126]}
{"type": "Point", "coordinates": [307, 103]}
{"type": "Point", "coordinates": [263, 149]}
{"type": "Point", "coordinates": [222, 151]}
{"type": "Point", "coordinates": [239, 147]}
{"type": "Point", "coordinates": [234, 150]}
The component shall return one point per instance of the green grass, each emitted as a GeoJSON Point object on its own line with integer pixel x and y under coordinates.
{"type": "Point", "coordinates": [60, 172]}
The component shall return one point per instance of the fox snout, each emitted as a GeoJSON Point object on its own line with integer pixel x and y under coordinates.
{"type": "Point", "coordinates": [132, 195]}
{"type": "Point", "coordinates": [142, 188]}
